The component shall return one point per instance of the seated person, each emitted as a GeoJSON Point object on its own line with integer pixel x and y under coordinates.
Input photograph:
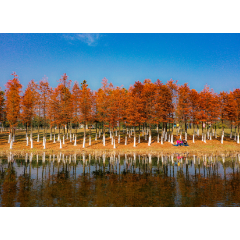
{"type": "Point", "coordinates": [185, 143]}
{"type": "Point", "coordinates": [178, 143]}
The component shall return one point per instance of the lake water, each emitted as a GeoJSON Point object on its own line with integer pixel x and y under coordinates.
{"type": "Point", "coordinates": [119, 180]}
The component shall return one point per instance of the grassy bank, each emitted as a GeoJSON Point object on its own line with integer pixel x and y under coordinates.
{"type": "Point", "coordinates": [214, 146]}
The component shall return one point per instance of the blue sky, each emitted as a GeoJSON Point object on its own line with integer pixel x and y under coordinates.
{"type": "Point", "coordinates": [197, 59]}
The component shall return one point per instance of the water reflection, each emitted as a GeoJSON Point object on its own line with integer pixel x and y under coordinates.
{"type": "Point", "coordinates": [119, 180]}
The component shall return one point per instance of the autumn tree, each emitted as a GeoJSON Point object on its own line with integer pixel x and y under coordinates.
{"type": "Point", "coordinates": [76, 107]}
{"type": "Point", "coordinates": [28, 106]}
{"type": "Point", "coordinates": [2, 108]}
{"type": "Point", "coordinates": [149, 102]}
{"type": "Point", "coordinates": [13, 99]}
{"type": "Point", "coordinates": [102, 101]}
{"type": "Point", "coordinates": [43, 104]}
{"type": "Point", "coordinates": [86, 108]}
{"type": "Point", "coordinates": [223, 99]}
{"type": "Point", "coordinates": [53, 110]}
{"type": "Point", "coordinates": [172, 104]}
{"type": "Point", "coordinates": [236, 94]}
{"type": "Point", "coordinates": [184, 104]}
{"type": "Point", "coordinates": [64, 99]}
{"type": "Point", "coordinates": [134, 109]}
{"type": "Point", "coordinates": [231, 108]}
{"type": "Point", "coordinates": [204, 98]}
{"type": "Point", "coordinates": [137, 99]}
{"type": "Point", "coordinates": [194, 114]}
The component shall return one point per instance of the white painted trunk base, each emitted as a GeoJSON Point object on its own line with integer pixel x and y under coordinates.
{"type": "Point", "coordinates": [104, 139]}
{"type": "Point", "coordinates": [83, 142]}
{"type": "Point", "coordinates": [149, 140]}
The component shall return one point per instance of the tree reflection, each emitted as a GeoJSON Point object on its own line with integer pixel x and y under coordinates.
{"type": "Point", "coordinates": [122, 182]}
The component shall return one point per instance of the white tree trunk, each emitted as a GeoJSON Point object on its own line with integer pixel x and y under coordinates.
{"type": "Point", "coordinates": [104, 139]}
{"type": "Point", "coordinates": [222, 139]}
{"type": "Point", "coordinates": [149, 140]}
{"type": "Point", "coordinates": [172, 139]}
{"type": "Point", "coordinates": [83, 142]}
{"type": "Point", "coordinates": [60, 143]}
{"type": "Point", "coordinates": [31, 143]}
{"type": "Point", "coordinates": [126, 140]}
{"type": "Point", "coordinates": [90, 140]}
{"type": "Point", "coordinates": [75, 141]}
{"type": "Point", "coordinates": [11, 144]}
{"type": "Point", "coordinates": [238, 139]}
{"type": "Point", "coordinates": [114, 146]}
{"type": "Point", "coordinates": [161, 139]}
{"type": "Point", "coordinates": [38, 138]}
{"type": "Point", "coordinates": [54, 140]}
{"type": "Point", "coordinates": [119, 138]}
{"type": "Point", "coordinates": [96, 137]}
{"type": "Point", "coordinates": [139, 139]}
{"type": "Point", "coordinates": [9, 138]}
{"type": "Point", "coordinates": [27, 140]}
{"type": "Point", "coordinates": [50, 136]}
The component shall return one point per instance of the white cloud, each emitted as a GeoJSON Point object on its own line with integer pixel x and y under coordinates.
{"type": "Point", "coordinates": [89, 38]}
